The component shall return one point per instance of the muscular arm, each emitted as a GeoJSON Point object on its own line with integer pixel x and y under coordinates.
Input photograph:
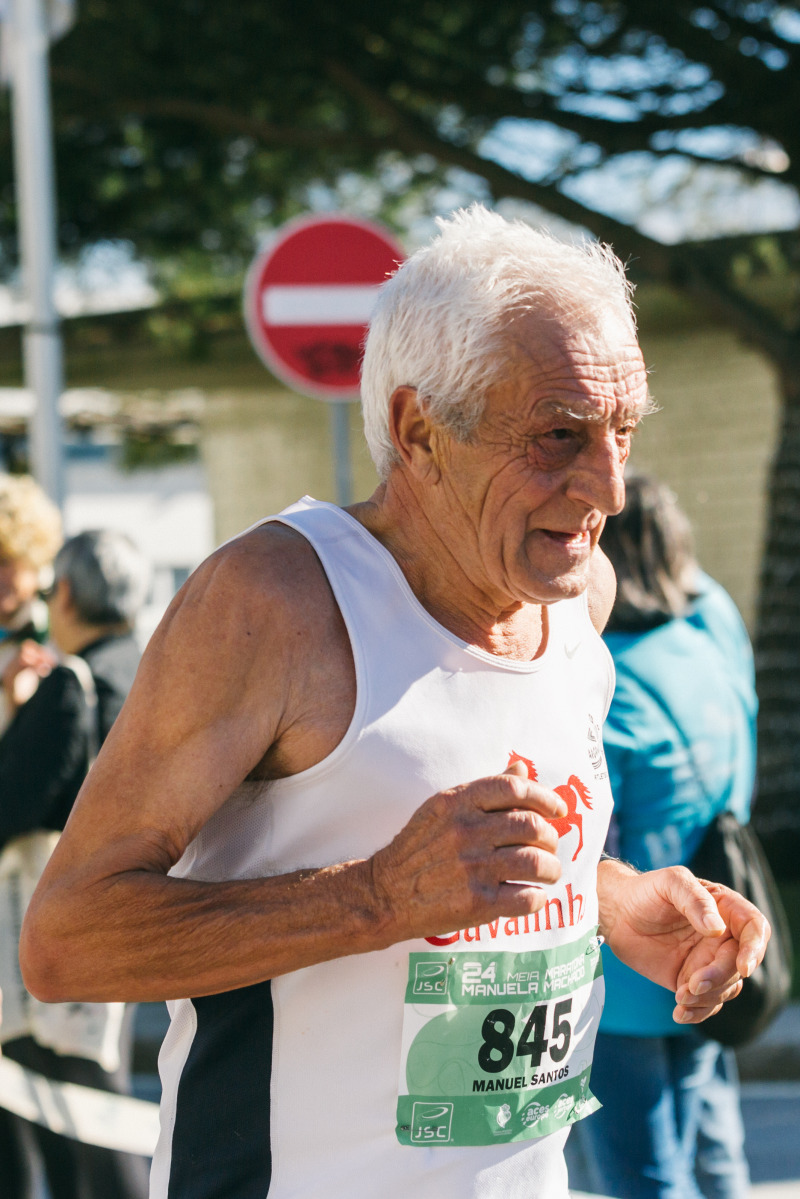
{"type": "Point", "coordinates": [230, 686]}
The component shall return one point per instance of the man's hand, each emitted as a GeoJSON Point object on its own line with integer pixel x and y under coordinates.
{"type": "Point", "coordinates": [696, 938]}
{"type": "Point", "coordinates": [455, 863]}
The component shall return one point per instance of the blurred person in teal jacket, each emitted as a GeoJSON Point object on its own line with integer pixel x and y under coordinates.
{"type": "Point", "coordinates": [680, 743]}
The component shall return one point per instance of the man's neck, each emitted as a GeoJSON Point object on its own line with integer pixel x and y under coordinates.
{"type": "Point", "coordinates": [434, 572]}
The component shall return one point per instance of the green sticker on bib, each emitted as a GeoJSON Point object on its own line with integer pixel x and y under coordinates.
{"type": "Point", "coordinates": [497, 1047]}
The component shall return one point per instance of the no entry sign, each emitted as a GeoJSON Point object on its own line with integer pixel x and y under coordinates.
{"type": "Point", "coordinates": [308, 299]}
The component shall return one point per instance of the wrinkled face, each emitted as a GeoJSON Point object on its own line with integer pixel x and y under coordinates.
{"type": "Point", "coordinates": [527, 497]}
{"type": "Point", "coordinates": [18, 585]}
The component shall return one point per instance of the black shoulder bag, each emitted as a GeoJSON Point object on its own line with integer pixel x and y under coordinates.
{"type": "Point", "coordinates": [730, 853]}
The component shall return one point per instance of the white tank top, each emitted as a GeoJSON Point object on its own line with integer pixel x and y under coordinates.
{"type": "Point", "coordinates": [443, 1068]}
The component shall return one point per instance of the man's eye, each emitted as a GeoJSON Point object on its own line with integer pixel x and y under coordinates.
{"type": "Point", "coordinates": [555, 448]}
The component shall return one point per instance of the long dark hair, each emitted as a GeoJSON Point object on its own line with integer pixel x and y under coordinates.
{"type": "Point", "coordinates": [651, 548]}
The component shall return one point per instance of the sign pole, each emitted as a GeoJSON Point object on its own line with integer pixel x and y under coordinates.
{"type": "Point", "coordinates": [342, 466]}
{"type": "Point", "coordinates": [35, 188]}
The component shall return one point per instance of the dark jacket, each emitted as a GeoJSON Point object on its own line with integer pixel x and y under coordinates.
{"type": "Point", "coordinates": [44, 752]}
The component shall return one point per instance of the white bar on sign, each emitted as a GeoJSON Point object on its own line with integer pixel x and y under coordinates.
{"type": "Point", "coordinates": [328, 304]}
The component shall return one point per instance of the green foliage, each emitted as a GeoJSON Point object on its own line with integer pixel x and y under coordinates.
{"type": "Point", "coordinates": [188, 127]}
{"type": "Point", "coordinates": [152, 449]}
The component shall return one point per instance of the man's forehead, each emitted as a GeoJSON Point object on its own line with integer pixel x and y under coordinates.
{"type": "Point", "coordinates": [577, 367]}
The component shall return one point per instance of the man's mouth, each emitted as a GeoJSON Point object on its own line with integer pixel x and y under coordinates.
{"type": "Point", "coordinates": [574, 540]}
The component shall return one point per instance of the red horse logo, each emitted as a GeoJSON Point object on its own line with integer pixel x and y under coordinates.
{"type": "Point", "coordinates": [570, 792]}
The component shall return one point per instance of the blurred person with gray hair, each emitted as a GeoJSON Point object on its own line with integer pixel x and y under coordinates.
{"type": "Point", "coordinates": [100, 582]}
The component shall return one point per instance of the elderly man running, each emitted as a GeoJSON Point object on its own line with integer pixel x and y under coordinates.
{"type": "Point", "coordinates": [355, 803]}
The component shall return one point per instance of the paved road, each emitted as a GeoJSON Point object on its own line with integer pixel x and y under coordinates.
{"type": "Point", "coordinates": [772, 1133]}
{"type": "Point", "coordinates": [772, 1140]}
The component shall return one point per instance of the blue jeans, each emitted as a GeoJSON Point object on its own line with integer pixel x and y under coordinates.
{"type": "Point", "coordinates": [670, 1126]}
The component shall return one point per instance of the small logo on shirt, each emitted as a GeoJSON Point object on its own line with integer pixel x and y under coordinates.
{"type": "Point", "coordinates": [594, 739]}
{"type": "Point", "coordinates": [503, 1115]}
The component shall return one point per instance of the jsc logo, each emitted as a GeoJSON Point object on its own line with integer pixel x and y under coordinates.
{"type": "Point", "coordinates": [431, 1123]}
{"type": "Point", "coordinates": [430, 978]}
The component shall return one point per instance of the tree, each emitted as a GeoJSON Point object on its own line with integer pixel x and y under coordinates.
{"type": "Point", "coordinates": [186, 126]}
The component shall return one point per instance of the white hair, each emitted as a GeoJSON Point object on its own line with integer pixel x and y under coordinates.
{"type": "Point", "coordinates": [442, 319]}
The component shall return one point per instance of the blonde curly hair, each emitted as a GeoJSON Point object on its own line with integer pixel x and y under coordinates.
{"type": "Point", "coordinates": [30, 523]}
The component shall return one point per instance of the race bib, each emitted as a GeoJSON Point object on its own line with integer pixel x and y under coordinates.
{"type": "Point", "coordinates": [497, 1047]}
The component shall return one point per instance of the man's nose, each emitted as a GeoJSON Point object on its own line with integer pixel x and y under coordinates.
{"type": "Point", "coordinates": [598, 479]}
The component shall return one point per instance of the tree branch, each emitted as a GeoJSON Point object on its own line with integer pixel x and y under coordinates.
{"type": "Point", "coordinates": [684, 266]}
{"type": "Point", "coordinates": [210, 116]}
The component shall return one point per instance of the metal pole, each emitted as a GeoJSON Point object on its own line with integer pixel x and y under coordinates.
{"type": "Point", "coordinates": [340, 431]}
{"type": "Point", "coordinates": [35, 187]}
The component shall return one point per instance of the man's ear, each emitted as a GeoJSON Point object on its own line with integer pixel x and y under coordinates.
{"type": "Point", "coordinates": [412, 434]}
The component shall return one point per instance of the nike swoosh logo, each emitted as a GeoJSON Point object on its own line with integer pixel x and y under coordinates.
{"type": "Point", "coordinates": [571, 650]}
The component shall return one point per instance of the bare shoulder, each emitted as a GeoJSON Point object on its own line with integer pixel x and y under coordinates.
{"type": "Point", "coordinates": [602, 590]}
{"type": "Point", "coordinates": [259, 580]}
{"type": "Point", "coordinates": [235, 638]}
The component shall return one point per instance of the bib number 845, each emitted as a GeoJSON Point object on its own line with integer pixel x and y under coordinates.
{"type": "Point", "coordinates": [498, 1048]}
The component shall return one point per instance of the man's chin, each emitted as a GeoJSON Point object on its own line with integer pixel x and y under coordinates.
{"type": "Point", "coordinates": [551, 589]}
{"type": "Point", "coordinates": [556, 569]}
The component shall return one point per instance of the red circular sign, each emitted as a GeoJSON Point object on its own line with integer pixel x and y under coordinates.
{"type": "Point", "coordinates": [309, 297]}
